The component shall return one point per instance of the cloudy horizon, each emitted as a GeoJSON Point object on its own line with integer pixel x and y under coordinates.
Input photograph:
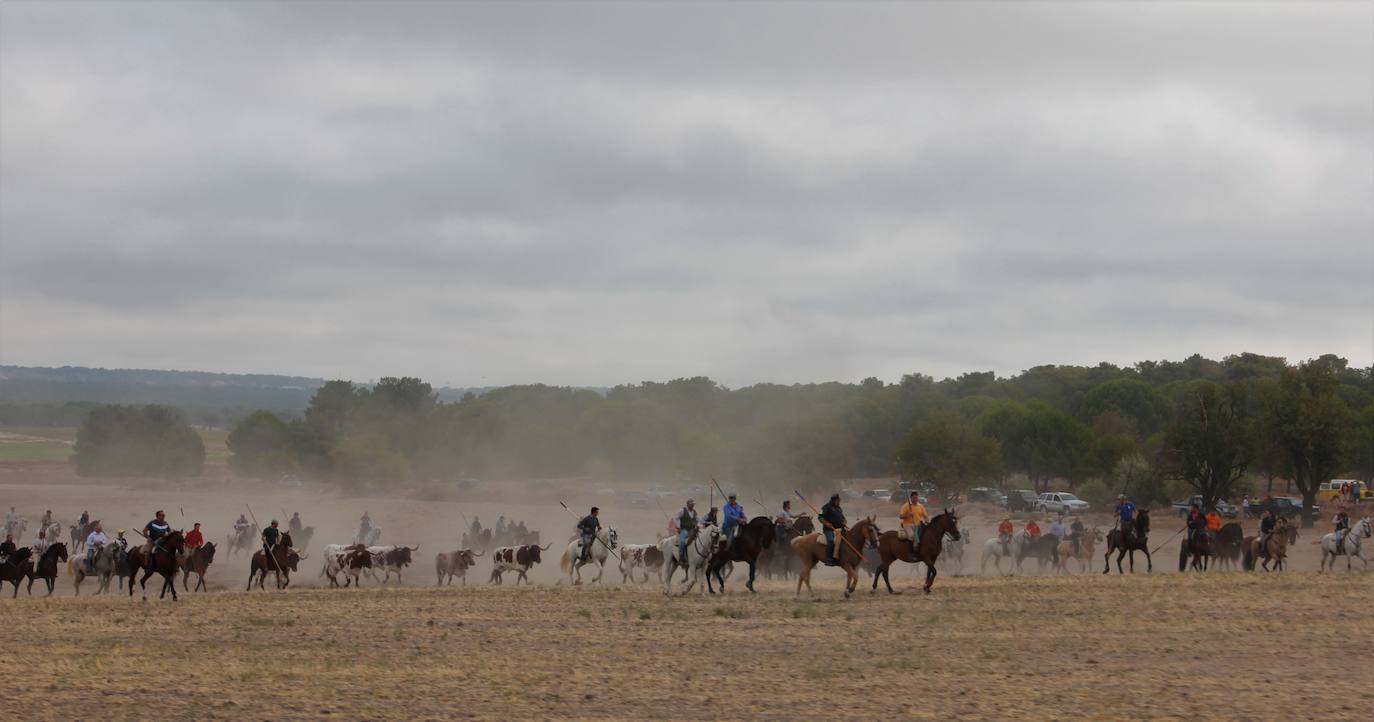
{"type": "Point", "coordinates": [597, 194]}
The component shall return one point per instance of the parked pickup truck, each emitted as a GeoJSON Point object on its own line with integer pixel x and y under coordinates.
{"type": "Point", "coordinates": [1224, 507]}
{"type": "Point", "coordinates": [1283, 506]}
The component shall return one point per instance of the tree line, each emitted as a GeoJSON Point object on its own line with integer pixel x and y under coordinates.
{"type": "Point", "coordinates": [1154, 430]}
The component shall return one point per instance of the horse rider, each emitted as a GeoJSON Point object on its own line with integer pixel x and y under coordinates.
{"type": "Point", "coordinates": [913, 517]}
{"type": "Point", "coordinates": [476, 526]}
{"type": "Point", "coordinates": [1266, 528]}
{"type": "Point", "coordinates": [1213, 522]}
{"type": "Point", "coordinates": [1341, 520]}
{"type": "Point", "coordinates": [784, 520]}
{"type": "Point", "coordinates": [500, 526]}
{"type": "Point", "coordinates": [1245, 507]}
{"type": "Point", "coordinates": [194, 540]}
{"type": "Point", "coordinates": [1076, 530]}
{"type": "Point", "coordinates": [1125, 514]}
{"type": "Point", "coordinates": [85, 519]}
{"type": "Point", "coordinates": [7, 547]}
{"type": "Point", "coordinates": [687, 528]}
{"type": "Point", "coordinates": [40, 544]}
{"type": "Point", "coordinates": [1058, 529]}
{"type": "Point", "coordinates": [587, 530]}
{"type": "Point", "coordinates": [240, 525]}
{"type": "Point", "coordinates": [11, 520]}
{"type": "Point", "coordinates": [94, 541]}
{"type": "Point", "coordinates": [712, 516]}
{"type": "Point", "coordinates": [832, 523]}
{"type": "Point", "coordinates": [294, 523]}
{"type": "Point", "coordinates": [154, 531]}
{"type": "Point", "coordinates": [1004, 531]}
{"type": "Point", "coordinates": [734, 516]}
{"type": "Point", "coordinates": [47, 520]}
{"type": "Point", "coordinates": [120, 540]}
{"type": "Point", "coordinates": [1197, 522]}
{"type": "Point", "coordinates": [271, 537]}
{"type": "Point", "coordinates": [1032, 529]}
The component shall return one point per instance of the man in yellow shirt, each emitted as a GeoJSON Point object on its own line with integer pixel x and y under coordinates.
{"type": "Point", "coordinates": [914, 517]}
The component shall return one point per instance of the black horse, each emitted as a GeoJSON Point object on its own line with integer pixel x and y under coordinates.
{"type": "Point", "coordinates": [1139, 541]}
{"type": "Point", "coordinates": [164, 562]}
{"type": "Point", "coordinates": [46, 568]}
{"type": "Point", "coordinates": [780, 557]}
{"type": "Point", "coordinates": [12, 569]}
{"type": "Point", "coordinates": [750, 539]}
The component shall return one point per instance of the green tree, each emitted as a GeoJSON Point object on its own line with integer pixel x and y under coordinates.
{"type": "Point", "coordinates": [1362, 445]}
{"type": "Point", "coordinates": [1207, 445]}
{"type": "Point", "coordinates": [949, 453]}
{"type": "Point", "coordinates": [137, 441]}
{"type": "Point", "coordinates": [261, 446]}
{"type": "Point", "coordinates": [1311, 424]}
{"type": "Point", "coordinates": [1128, 397]}
{"type": "Point", "coordinates": [1040, 441]}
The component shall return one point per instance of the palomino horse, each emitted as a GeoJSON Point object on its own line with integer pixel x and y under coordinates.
{"type": "Point", "coordinates": [750, 541]}
{"type": "Point", "coordinates": [1274, 550]}
{"type": "Point", "coordinates": [281, 563]}
{"type": "Point", "coordinates": [1350, 546]}
{"type": "Point", "coordinates": [811, 549]}
{"type": "Point", "coordinates": [602, 547]}
{"type": "Point", "coordinates": [892, 549]}
{"type": "Point", "coordinates": [164, 562]}
{"type": "Point", "coordinates": [197, 562]}
{"type": "Point", "coordinates": [1087, 548]}
{"type": "Point", "coordinates": [103, 566]}
{"type": "Point", "coordinates": [699, 551]}
{"type": "Point", "coordinates": [46, 568]}
{"type": "Point", "coordinates": [12, 569]}
{"type": "Point", "coordinates": [1198, 546]}
{"type": "Point", "coordinates": [1139, 541]}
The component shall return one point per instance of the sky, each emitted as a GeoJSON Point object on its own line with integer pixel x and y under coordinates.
{"type": "Point", "coordinates": [586, 194]}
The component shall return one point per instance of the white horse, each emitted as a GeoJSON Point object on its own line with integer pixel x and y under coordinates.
{"type": "Point", "coordinates": [104, 561]}
{"type": "Point", "coordinates": [953, 550]}
{"type": "Point", "coordinates": [699, 551]}
{"type": "Point", "coordinates": [572, 562]}
{"type": "Point", "coordinates": [52, 532]}
{"type": "Point", "coordinates": [992, 548]}
{"type": "Point", "coordinates": [1361, 530]}
{"type": "Point", "coordinates": [368, 538]}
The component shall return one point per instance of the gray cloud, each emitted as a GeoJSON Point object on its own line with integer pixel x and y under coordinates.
{"type": "Point", "coordinates": [591, 194]}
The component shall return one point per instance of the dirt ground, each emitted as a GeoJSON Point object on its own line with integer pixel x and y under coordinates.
{"type": "Point", "coordinates": [1229, 644]}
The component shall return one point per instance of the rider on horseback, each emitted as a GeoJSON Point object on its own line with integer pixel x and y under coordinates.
{"type": "Point", "coordinates": [294, 523]}
{"type": "Point", "coordinates": [687, 528]}
{"type": "Point", "coordinates": [194, 540]}
{"type": "Point", "coordinates": [1342, 522]}
{"type": "Point", "coordinates": [1197, 522]}
{"type": "Point", "coordinates": [1004, 531]}
{"type": "Point", "coordinates": [7, 547]}
{"type": "Point", "coordinates": [587, 529]}
{"type": "Point", "coordinates": [734, 516]}
{"type": "Point", "coordinates": [120, 540]}
{"type": "Point", "coordinates": [784, 520]}
{"type": "Point", "coordinates": [240, 525]}
{"type": "Point", "coordinates": [1266, 528]}
{"type": "Point", "coordinates": [153, 531]}
{"type": "Point", "coordinates": [1076, 530]}
{"type": "Point", "coordinates": [271, 537]}
{"type": "Point", "coordinates": [94, 541]}
{"type": "Point", "coordinates": [1125, 514]}
{"type": "Point", "coordinates": [913, 516]}
{"type": "Point", "coordinates": [832, 522]}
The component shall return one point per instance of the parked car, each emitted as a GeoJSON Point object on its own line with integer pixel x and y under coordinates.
{"type": "Point", "coordinates": [1021, 500]}
{"type": "Point", "coordinates": [984, 494]}
{"type": "Point", "coordinates": [1282, 506]}
{"type": "Point", "coordinates": [1060, 501]}
{"type": "Point", "coordinates": [1223, 507]}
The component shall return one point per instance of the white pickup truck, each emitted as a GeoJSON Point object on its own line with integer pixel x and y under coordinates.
{"type": "Point", "coordinates": [1060, 501]}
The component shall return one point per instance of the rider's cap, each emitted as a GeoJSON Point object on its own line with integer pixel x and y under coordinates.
{"type": "Point", "coordinates": [834, 497]}
{"type": "Point", "coordinates": [731, 496]}
{"type": "Point", "coordinates": [274, 521]}
{"type": "Point", "coordinates": [119, 531]}
{"type": "Point", "coordinates": [595, 510]}
{"type": "Point", "coordinates": [691, 502]}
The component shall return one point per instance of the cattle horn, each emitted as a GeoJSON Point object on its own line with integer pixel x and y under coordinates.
{"type": "Point", "coordinates": [303, 557]}
{"type": "Point", "coordinates": [546, 547]}
{"type": "Point", "coordinates": [416, 548]}
{"type": "Point", "coordinates": [476, 554]}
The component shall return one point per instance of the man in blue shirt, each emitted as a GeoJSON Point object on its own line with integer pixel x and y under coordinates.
{"type": "Point", "coordinates": [832, 522]}
{"type": "Point", "coordinates": [734, 516]}
{"type": "Point", "coordinates": [1125, 511]}
{"type": "Point", "coordinates": [587, 529]}
{"type": "Point", "coordinates": [153, 531]}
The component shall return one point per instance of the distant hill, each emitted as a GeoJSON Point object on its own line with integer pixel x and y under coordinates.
{"type": "Point", "coordinates": [25, 390]}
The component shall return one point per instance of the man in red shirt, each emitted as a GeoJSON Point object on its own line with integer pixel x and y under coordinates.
{"type": "Point", "coordinates": [194, 539]}
{"type": "Point", "coordinates": [1033, 529]}
{"type": "Point", "coordinates": [1004, 535]}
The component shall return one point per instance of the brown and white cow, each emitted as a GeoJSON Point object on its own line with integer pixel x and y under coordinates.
{"type": "Point", "coordinates": [451, 564]}
{"type": "Point", "coordinates": [347, 559]}
{"type": "Point", "coordinates": [640, 556]}
{"type": "Point", "coordinates": [515, 559]}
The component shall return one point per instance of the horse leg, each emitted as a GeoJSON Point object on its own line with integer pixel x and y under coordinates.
{"type": "Point", "coordinates": [930, 577]}
{"type": "Point", "coordinates": [1149, 563]}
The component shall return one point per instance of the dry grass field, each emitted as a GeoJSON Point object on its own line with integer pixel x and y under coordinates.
{"type": "Point", "coordinates": [1146, 647]}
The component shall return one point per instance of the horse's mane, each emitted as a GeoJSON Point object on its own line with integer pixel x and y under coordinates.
{"type": "Point", "coordinates": [52, 550]}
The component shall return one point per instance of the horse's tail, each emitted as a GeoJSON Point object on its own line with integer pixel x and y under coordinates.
{"type": "Point", "coordinates": [1247, 561]}
{"type": "Point", "coordinates": [565, 562]}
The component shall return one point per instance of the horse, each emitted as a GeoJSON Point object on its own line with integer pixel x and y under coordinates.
{"type": "Point", "coordinates": [996, 550]}
{"type": "Point", "coordinates": [164, 561]}
{"type": "Point", "coordinates": [198, 562]}
{"type": "Point", "coordinates": [954, 551]}
{"type": "Point", "coordinates": [368, 538]}
{"type": "Point", "coordinates": [750, 541]}
{"type": "Point", "coordinates": [1138, 541]}
{"type": "Point", "coordinates": [46, 568]}
{"type": "Point", "coordinates": [811, 549]}
{"type": "Point", "coordinates": [1275, 549]}
{"type": "Point", "coordinates": [1226, 545]}
{"type": "Point", "coordinates": [51, 531]}
{"type": "Point", "coordinates": [79, 534]}
{"type": "Point", "coordinates": [1087, 547]}
{"type": "Point", "coordinates": [281, 563]}
{"type": "Point", "coordinates": [241, 539]}
{"type": "Point", "coordinates": [573, 561]}
{"type": "Point", "coordinates": [1044, 549]}
{"type": "Point", "coordinates": [17, 529]}
{"type": "Point", "coordinates": [779, 558]}
{"type": "Point", "coordinates": [103, 564]}
{"type": "Point", "coordinates": [700, 549]}
{"type": "Point", "coordinates": [1199, 547]}
{"type": "Point", "coordinates": [892, 549]}
{"type": "Point", "coordinates": [12, 569]}
{"type": "Point", "coordinates": [1350, 546]}
{"type": "Point", "coordinates": [304, 536]}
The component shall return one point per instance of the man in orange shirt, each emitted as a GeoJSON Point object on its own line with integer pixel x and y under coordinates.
{"type": "Point", "coordinates": [1213, 521]}
{"type": "Point", "coordinates": [913, 516]}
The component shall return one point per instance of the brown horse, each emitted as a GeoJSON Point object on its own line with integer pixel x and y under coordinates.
{"type": "Point", "coordinates": [750, 539]}
{"type": "Point", "coordinates": [1275, 550]}
{"type": "Point", "coordinates": [1087, 547]}
{"type": "Point", "coordinates": [1226, 545]}
{"type": "Point", "coordinates": [891, 549]}
{"type": "Point", "coordinates": [164, 562]}
{"type": "Point", "coordinates": [1199, 547]}
{"type": "Point", "coordinates": [811, 549]}
{"type": "Point", "coordinates": [198, 562]}
{"type": "Point", "coordinates": [781, 557]}
{"type": "Point", "coordinates": [281, 563]}
{"type": "Point", "coordinates": [1138, 541]}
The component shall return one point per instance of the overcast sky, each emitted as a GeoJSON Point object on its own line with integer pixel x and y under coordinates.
{"type": "Point", "coordinates": [597, 194]}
